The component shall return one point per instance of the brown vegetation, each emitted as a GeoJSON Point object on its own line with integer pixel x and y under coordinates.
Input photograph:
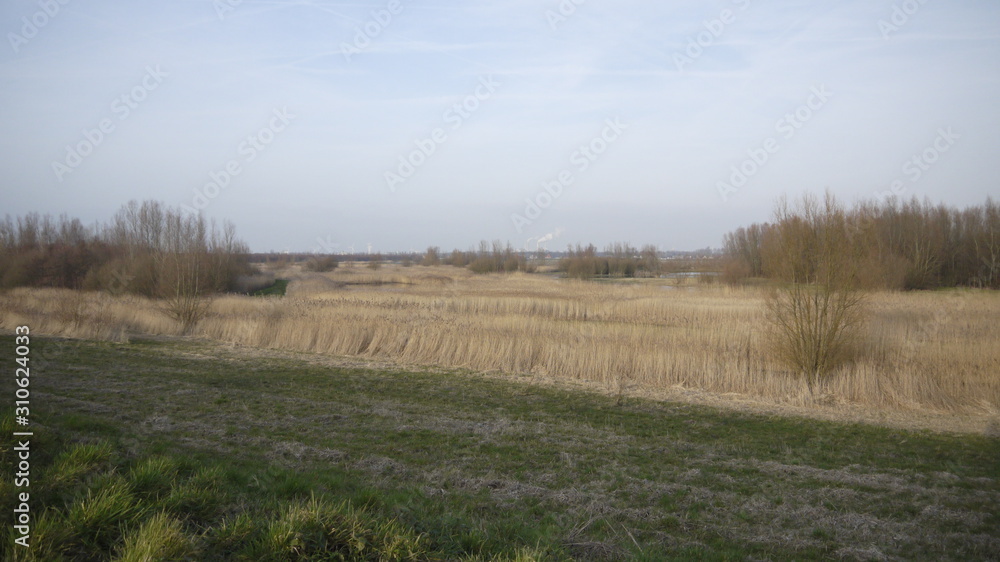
{"type": "Point", "coordinates": [817, 309]}
{"type": "Point", "coordinates": [432, 257]}
{"type": "Point", "coordinates": [898, 245]}
{"type": "Point", "coordinates": [924, 350]}
{"type": "Point", "coordinates": [322, 264]}
{"type": "Point", "coordinates": [496, 259]}
{"type": "Point", "coordinates": [146, 249]}
{"type": "Point", "coordinates": [618, 260]}
{"type": "Point", "coordinates": [160, 272]}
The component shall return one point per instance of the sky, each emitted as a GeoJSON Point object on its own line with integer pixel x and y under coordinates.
{"type": "Point", "coordinates": [394, 125]}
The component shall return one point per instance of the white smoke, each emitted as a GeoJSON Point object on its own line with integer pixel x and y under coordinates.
{"type": "Point", "coordinates": [547, 238]}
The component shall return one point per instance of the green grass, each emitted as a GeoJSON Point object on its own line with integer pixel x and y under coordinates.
{"type": "Point", "coordinates": [276, 290]}
{"type": "Point", "coordinates": [215, 453]}
{"type": "Point", "coordinates": [157, 509]}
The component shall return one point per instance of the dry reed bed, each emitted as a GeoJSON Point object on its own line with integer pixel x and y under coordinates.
{"type": "Point", "coordinates": [931, 351]}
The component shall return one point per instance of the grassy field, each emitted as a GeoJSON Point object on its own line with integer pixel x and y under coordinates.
{"type": "Point", "coordinates": [930, 352]}
{"type": "Point", "coordinates": [212, 451]}
{"type": "Point", "coordinates": [276, 290]}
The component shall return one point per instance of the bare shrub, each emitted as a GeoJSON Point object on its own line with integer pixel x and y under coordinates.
{"type": "Point", "coordinates": [650, 265]}
{"type": "Point", "coordinates": [814, 327]}
{"type": "Point", "coordinates": [187, 309]}
{"type": "Point", "coordinates": [322, 264]}
{"type": "Point", "coordinates": [432, 257]}
{"type": "Point", "coordinates": [816, 312]}
{"type": "Point", "coordinates": [735, 271]}
{"type": "Point", "coordinates": [459, 258]}
{"type": "Point", "coordinates": [184, 299]}
{"type": "Point", "coordinates": [498, 258]}
{"type": "Point", "coordinates": [188, 261]}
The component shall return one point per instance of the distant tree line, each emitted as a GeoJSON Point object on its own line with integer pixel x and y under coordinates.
{"type": "Point", "coordinates": [146, 248]}
{"type": "Point", "coordinates": [617, 260]}
{"type": "Point", "coordinates": [893, 244]}
{"type": "Point", "coordinates": [495, 257]}
{"type": "Point", "coordinates": [492, 258]}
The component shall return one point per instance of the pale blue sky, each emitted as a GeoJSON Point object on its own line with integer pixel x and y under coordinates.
{"type": "Point", "coordinates": [201, 84]}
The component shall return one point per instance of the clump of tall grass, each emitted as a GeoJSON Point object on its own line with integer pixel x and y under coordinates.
{"type": "Point", "coordinates": [154, 477]}
{"type": "Point", "coordinates": [161, 537]}
{"type": "Point", "coordinates": [304, 531]}
{"type": "Point", "coordinates": [99, 517]}
{"type": "Point", "coordinates": [74, 467]}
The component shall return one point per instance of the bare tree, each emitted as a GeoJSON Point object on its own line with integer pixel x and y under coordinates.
{"type": "Point", "coordinates": [743, 245]}
{"type": "Point", "coordinates": [987, 245]}
{"type": "Point", "coordinates": [180, 262]}
{"type": "Point", "coordinates": [432, 256]}
{"type": "Point", "coordinates": [817, 308]}
{"type": "Point", "coordinates": [650, 260]}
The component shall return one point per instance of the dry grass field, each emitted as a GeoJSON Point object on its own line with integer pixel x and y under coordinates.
{"type": "Point", "coordinates": [931, 352]}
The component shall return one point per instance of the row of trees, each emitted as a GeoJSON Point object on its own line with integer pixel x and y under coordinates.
{"type": "Point", "coordinates": [890, 245]}
{"type": "Point", "coordinates": [617, 260]}
{"type": "Point", "coordinates": [146, 248]}
{"type": "Point", "coordinates": [494, 258]}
